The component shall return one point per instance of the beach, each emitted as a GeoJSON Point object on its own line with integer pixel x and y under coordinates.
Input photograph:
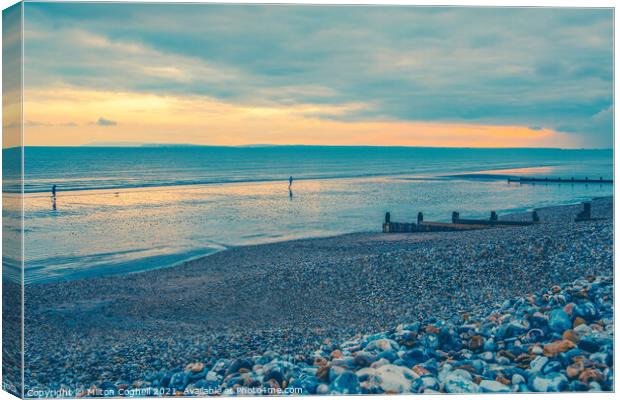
{"type": "Point", "coordinates": [289, 297]}
{"type": "Point", "coordinates": [105, 221]}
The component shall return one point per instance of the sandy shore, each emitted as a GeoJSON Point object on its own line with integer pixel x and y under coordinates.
{"type": "Point", "coordinates": [290, 296]}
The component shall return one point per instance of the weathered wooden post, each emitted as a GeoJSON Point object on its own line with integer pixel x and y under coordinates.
{"type": "Point", "coordinates": [587, 210]}
{"type": "Point", "coordinates": [535, 217]}
{"type": "Point", "coordinates": [387, 224]}
{"type": "Point", "coordinates": [493, 216]}
{"type": "Point", "coordinates": [420, 218]}
{"type": "Point", "coordinates": [586, 214]}
{"type": "Point", "coordinates": [455, 217]}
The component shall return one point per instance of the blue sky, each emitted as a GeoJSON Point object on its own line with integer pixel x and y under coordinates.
{"type": "Point", "coordinates": [540, 70]}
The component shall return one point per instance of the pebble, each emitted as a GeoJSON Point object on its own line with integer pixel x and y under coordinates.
{"type": "Point", "coordinates": [587, 311]}
{"type": "Point", "coordinates": [554, 382]}
{"type": "Point", "coordinates": [487, 356]}
{"type": "Point", "coordinates": [493, 386]}
{"type": "Point", "coordinates": [393, 379]}
{"type": "Point", "coordinates": [346, 383]}
{"type": "Point", "coordinates": [559, 320]}
{"type": "Point", "coordinates": [538, 363]}
{"type": "Point", "coordinates": [517, 379]}
{"type": "Point", "coordinates": [195, 367]}
{"type": "Point", "coordinates": [460, 383]}
{"type": "Point", "coordinates": [381, 345]}
{"type": "Point", "coordinates": [559, 346]}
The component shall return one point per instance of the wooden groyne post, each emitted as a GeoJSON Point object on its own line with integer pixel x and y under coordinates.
{"type": "Point", "coordinates": [559, 180]}
{"type": "Point", "coordinates": [386, 223]}
{"type": "Point", "coordinates": [586, 214]}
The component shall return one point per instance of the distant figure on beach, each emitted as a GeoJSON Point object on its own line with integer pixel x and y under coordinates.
{"type": "Point", "coordinates": [53, 197]}
{"type": "Point", "coordinates": [290, 187]}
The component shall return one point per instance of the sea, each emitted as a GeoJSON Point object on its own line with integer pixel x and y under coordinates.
{"type": "Point", "coordinates": [128, 209]}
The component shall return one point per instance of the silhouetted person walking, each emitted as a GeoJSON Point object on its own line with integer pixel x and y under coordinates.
{"type": "Point", "coordinates": [54, 197]}
{"type": "Point", "coordinates": [290, 187]}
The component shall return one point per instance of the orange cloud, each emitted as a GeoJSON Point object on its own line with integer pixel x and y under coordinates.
{"type": "Point", "coordinates": [143, 117]}
{"type": "Point", "coordinates": [11, 118]}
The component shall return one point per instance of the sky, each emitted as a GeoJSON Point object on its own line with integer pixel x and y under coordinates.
{"type": "Point", "coordinates": [11, 77]}
{"type": "Point", "coordinates": [329, 75]}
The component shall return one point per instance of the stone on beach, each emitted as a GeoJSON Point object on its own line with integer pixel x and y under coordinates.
{"type": "Point", "coordinates": [460, 382]}
{"type": "Point", "coordinates": [559, 321]}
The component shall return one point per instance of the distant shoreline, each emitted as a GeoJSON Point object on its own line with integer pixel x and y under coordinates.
{"type": "Point", "coordinates": [259, 146]}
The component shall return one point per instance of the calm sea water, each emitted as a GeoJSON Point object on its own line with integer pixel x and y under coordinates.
{"type": "Point", "coordinates": [122, 210]}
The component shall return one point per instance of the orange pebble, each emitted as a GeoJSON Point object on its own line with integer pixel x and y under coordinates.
{"type": "Point", "coordinates": [560, 346]}
{"type": "Point", "coordinates": [570, 335]}
{"type": "Point", "coordinates": [578, 321]}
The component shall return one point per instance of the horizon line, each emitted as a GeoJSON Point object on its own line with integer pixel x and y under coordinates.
{"type": "Point", "coordinates": [260, 145]}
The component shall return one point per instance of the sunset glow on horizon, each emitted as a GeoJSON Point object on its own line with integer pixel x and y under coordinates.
{"type": "Point", "coordinates": [147, 118]}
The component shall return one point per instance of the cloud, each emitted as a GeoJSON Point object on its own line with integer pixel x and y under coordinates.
{"type": "Point", "coordinates": [34, 123]}
{"type": "Point", "coordinates": [597, 127]}
{"type": "Point", "coordinates": [538, 67]}
{"type": "Point", "coordinates": [105, 122]}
